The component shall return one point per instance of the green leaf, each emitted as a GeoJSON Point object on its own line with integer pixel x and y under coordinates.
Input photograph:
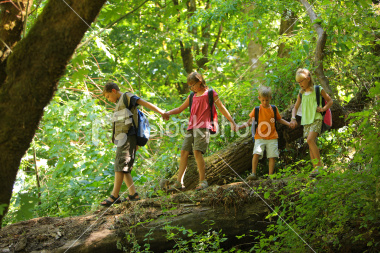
{"type": "Point", "coordinates": [27, 205]}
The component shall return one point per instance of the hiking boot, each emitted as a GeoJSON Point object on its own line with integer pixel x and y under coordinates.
{"type": "Point", "coordinates": [252, 177]}
{"type": "Point", "coordinates": [202, 185]}
{"type": "Point", "coordinates": [176, 186]}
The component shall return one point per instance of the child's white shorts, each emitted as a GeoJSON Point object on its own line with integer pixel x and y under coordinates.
{"type": "Point", "coordinates": [271, 146]}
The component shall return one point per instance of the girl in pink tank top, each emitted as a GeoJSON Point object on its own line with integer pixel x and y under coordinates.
{"type": "Point", "coordinates": [198, 131]}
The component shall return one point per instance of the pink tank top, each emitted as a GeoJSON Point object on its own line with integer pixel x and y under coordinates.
{"type": "Point", "coordinates": [200, 116]}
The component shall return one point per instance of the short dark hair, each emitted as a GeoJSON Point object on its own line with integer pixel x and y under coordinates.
{"type": "Point", "coordinates": [109, 87]}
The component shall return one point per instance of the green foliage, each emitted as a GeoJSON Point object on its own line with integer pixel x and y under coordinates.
{"type": "Point", "coordinates": [186, 240]}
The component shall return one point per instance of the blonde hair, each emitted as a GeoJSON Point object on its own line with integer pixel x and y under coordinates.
{"type": "Point", "coordinates": [306, 73]}
{"type": "Point", "coordinates": [265, 92]}
{"type": "Point", "coordinates": [196, 77]}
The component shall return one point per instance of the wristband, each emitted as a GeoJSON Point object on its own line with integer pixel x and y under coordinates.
{"type": "Point", "coordinates": [293, 118]}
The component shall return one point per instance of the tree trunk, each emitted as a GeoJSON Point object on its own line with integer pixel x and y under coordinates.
{"type": "Point", "coordinates": [12, 18]}
{"type": "Point", "coordinates": [255, 49]}
{"type": "Point", "coordinates": [32, 72]}
{"type": "Point", "coordinates": [288, 19]}
{"type": "Point", "coordinates": [205, 47]}
{"type": "Point", "coordinates": [234, 209]}
{"type": "Point", "coordinates": [187, 49]}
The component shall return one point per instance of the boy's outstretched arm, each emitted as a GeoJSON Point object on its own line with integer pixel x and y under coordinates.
{"type": "Point", "coordinates": [150, 106]}
{"type": "Point", "coordinates": [284, 122]}
{"type": "Point", "coordinates": [225, 112]}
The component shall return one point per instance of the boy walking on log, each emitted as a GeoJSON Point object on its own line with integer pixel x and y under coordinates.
{"type": "Point", "coordinates": [124, 136]}
{"type": "Point", "coordinates": [266, 136]}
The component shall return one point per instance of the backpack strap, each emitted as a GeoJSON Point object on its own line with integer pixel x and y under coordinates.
{"type": "Point", "coordinates": [125, 100]}
{"type": "Point", "coordinates": [210, 94]}
{"type": "Point", "coordinates": [191, 100]}
{"type": "Point", "coordinates": [129, 107]}
{"type": "Point", "coordinates": [257, 109]}
{"type": "Point", "coordinates": [255, 123]}
{"type": "Point", "coordinates": [274, 108]}
{"type": "Point", "coordinates": [318, 95]}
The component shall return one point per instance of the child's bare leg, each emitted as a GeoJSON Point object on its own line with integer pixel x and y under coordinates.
{"type": "Point", "coordinates": [182, 164]}
{"type": "Point", "coordinates": [255, 162]}
{"type": "Point", "coordinates": [271, 165]}
{"type": "Point", "coordinates": [313, 149]}
{"type": "Point", "coordinates": [116, 186]}
{"type": "Point", "coordinates": [200, 164]}
{"type": "Point", "coordinates": [129, 182]}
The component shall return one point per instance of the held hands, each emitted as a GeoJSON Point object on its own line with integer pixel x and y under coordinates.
{"type": "Point", "coordinates": [293, 123]}
{"type": "Point", "coordinates": [234, 127]}
{"type": "Point", "coordinates": [166, 116]}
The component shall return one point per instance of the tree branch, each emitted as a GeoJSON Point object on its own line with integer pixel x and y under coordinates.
{"type": "Point", "coordinates": [319, 54]}
{"type": "Point", "coordinates": [217, 37]}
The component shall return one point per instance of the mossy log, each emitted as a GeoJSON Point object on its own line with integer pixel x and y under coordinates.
{"type": "Point", "coordinates": [234, 209]}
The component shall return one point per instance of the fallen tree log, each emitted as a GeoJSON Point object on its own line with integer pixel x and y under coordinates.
{"type": "Point", "coordinates": [234, 209]}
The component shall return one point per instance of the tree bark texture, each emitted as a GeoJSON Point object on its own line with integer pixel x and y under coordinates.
{"type": "Point", "coordinates": [12, 19]}
{"type": "Point", "coordinates": [288, 20]}
{"type": "Point", "coordinates": [319, 54]}
{"type": "Point", "coordinates": [32, 72]}
{"type": "Point", "coordinates": [206, 37]}
{"type": "Point", "coordinates": [235, 209]}
{"type": "Point", "coordinates": [255, 48]}
{"type": "Point", "coordinates": [187, 48]}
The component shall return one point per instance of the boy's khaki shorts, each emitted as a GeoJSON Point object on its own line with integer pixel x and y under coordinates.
{"type": "Point", "coordinates": [196, 139]}
{"type": "Point", "coordinates": [271, 146]}
{"type": "Point", "coordinates": [125, 155]}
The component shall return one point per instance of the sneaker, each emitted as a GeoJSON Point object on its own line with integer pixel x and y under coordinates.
{"type": "Point", "coordinates": [176, 186]}
{"type": "Point", "coordinates": [202, 185]}
{"type": "Point", "coordinates": [252, 177]}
